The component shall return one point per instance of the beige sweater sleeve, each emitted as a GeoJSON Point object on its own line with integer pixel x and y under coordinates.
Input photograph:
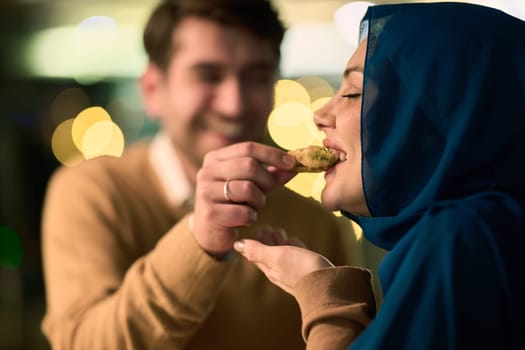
{"type": "Point", "coordinates": [336, 305]}
{"type": "Point", "coordinates": [100, 297]}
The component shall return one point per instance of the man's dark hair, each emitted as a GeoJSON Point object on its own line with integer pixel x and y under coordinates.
{"type": "Point", "coordinates": [256, 16]}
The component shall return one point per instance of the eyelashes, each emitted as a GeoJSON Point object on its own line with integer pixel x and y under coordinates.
{"type": "Point", "coordinates": [355, 95]}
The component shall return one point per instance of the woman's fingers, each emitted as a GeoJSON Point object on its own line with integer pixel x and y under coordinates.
{"type": "Point", "coordinates": [254, 251]}
{"type": "Point", "coordinates": [284, 265]}
{"type": "Point", "coordinates": [264, 258]}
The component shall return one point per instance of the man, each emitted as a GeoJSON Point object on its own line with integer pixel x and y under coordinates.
{"type": "Point", "coordinates": [138, 249]}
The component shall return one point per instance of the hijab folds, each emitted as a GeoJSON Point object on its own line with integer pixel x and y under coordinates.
{"type": "Point", "coordinates": [443, 139]}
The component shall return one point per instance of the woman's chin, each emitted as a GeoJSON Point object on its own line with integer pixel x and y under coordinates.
{"type": "Point", "coordinates": [329, 202]}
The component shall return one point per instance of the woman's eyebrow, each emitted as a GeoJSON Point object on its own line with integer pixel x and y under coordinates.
{"type": "Point", "coordinates": [352, 69]}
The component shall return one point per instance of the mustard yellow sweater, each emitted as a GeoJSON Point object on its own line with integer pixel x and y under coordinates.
{"type": "Point", "coordinates": [122, 270]}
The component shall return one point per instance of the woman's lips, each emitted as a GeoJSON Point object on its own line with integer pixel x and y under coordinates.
{"type": "Point", "coordinates": [333, 147]}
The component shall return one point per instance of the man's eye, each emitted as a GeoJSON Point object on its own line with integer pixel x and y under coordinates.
{"type": "Point", "coordinates": [259, 78]}
{"type": "Point", "coordinates": [210, 76]}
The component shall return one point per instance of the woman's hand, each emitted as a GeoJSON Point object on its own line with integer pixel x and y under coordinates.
{"type": "Point", "coordinates": [283, 265]}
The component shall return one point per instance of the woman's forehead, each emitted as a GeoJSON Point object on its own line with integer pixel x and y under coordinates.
{"type": "Point", "coordinates": [357, 60]}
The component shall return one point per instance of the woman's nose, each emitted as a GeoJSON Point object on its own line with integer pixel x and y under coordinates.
{"type": "Point", "coordinates": [324, 117]}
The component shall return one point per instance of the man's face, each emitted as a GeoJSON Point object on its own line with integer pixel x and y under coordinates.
{"type": "Point", "coordinates": [217, 90]}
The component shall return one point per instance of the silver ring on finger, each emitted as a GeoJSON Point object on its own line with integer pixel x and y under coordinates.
{"type": "Point", "coordinates": [226, 191]}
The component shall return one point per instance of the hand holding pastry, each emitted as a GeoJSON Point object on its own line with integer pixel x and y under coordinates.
{"type": "Point", "coordinates": [231, 189]}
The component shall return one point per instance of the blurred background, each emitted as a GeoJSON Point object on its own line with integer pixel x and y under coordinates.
{"type": "Point", "coordinates": [67, 61]}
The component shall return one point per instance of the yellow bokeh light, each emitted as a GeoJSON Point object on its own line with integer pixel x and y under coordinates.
{"type": "Point", "coordinates": [103, 138]}
{"type": "Point", "coordinates": [287, 90]}
{"type": "Point", "coordinates": [358, 231]}
{"type": "Point", "coordinates": [290, 114]}
{"type": "Point", "coordinates": [303, 183]}
{"type": "Point", "coordinates": [319, 103]}
{"type": "Point", "coordinates": [62, 144]}
{"type": "Point", "coordinates": [316, 87]}
{"type": "Point", "coordinates": [318, 138]}
{"type": "Point", "coordinates": [90, 134]}
{"type": "Point", "coordinates": [291, 125]}
{"type": "Point", "coordinates": [84, 120]}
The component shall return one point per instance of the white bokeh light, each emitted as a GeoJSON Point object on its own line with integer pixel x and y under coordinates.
{"type": "Point", "coordinates": [515, 8]}
{"type": "Point", "coordinates": [347, 19]}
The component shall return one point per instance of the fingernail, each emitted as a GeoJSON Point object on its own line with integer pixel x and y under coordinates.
{"type": "Point", "coordinates": [239, 246]}
{"type": "Point", "coordinates": [253, 216]}
{"type": "Point", "coordinates": [288, 160]}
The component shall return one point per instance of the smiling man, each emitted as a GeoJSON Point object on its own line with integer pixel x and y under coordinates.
{"type": "Point", "coordinates": [138, 249]}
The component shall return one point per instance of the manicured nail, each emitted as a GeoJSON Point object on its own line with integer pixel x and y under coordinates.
{"type": "Point", "coordinates": [239, 246]}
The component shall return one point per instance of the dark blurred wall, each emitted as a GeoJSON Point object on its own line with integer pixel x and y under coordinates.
{"type": "Point", "coordinates": [24, 168]}
{"type": "Point", "coordinates": [26, 162]}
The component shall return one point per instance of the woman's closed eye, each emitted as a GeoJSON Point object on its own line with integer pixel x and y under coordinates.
{"type": "Point", "coordinates": [352, 95]}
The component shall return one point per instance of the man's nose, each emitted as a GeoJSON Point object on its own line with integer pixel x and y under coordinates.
{"type": "Point", "coordinates": [229, 99]}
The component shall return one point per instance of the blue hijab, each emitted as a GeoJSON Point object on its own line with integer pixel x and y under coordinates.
{"type": "Point", "coordinates": [443, 138]}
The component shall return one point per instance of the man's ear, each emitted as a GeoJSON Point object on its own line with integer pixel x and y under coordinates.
{"type": "Point", "coordinates": [151, 85]}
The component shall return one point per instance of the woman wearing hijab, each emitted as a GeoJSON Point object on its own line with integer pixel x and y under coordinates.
{"type": "Point", "coordinates": [431, 115]}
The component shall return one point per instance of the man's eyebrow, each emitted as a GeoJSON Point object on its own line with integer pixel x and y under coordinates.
{"type": "Point", "coordinates": [211, 65]}
{"type": "Point", "coordinates": [352, 69]}
{"type": "Point", "coordinates": [261, 65]}
{"type": "Point", "coordinates": [206, 66]}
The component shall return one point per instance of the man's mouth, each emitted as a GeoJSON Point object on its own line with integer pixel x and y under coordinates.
{"type": "Point", "coordinates": [226, 129]}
